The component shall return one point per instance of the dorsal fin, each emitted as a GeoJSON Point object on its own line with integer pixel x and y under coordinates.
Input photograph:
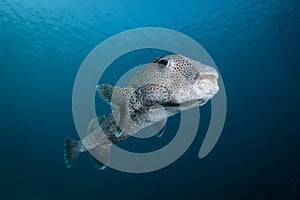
{"type": "Point", "coordinates": [111, 94]}
{"type": "Point", "coordinates": [94, 123]}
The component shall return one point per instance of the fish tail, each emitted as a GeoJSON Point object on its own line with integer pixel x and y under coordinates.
{"type": "Point", "coordinates": [71, 151]}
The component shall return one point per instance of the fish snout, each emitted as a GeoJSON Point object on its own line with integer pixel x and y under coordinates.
{"type": "Point", "coordinates": [210, 74]}
{"type": "Point", "coordinates": [210, 77]}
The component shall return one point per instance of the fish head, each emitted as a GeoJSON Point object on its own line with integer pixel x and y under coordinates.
{"type": "Point", "coordinates": [175, 80]}
{"type": "Point", "coordinates": [192, 80]}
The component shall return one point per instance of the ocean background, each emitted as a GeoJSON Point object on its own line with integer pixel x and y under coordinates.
{"type": "Point", "coordinates": [255, 45]}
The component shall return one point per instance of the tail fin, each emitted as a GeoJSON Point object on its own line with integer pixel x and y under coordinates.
{"type": "Point", "coordinates": [71, 151]}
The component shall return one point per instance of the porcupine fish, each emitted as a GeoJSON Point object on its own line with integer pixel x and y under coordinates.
{"type": "Point", "coordinates": [161, 89]}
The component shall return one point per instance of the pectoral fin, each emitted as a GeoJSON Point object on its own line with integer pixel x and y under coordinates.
{"type": "Point", "coordinates": [161, 126]}
{"type": "Point", "coordinates": [161, 132]}
{"type": "Point", "coordinates": [94, 123]}
{"type": "Point", "coordinates": [111, 94]}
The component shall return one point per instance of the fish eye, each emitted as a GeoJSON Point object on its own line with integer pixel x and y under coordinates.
{"type": "Point", "coordinates": [163, 62]}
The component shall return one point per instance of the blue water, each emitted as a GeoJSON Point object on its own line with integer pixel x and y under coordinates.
{"type": "Point", "coordinates": [255, 45]}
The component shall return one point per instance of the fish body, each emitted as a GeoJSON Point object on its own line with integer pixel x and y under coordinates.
{"type": "Point", "coordinates": [163, 88]}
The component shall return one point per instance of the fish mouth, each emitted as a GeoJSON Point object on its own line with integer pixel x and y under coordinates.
{"type": "Point", "coordinates": [214, 90]}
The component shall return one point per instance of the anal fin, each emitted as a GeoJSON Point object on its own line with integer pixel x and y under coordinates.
{"type": "Point", "coordinates": [100, 156]}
